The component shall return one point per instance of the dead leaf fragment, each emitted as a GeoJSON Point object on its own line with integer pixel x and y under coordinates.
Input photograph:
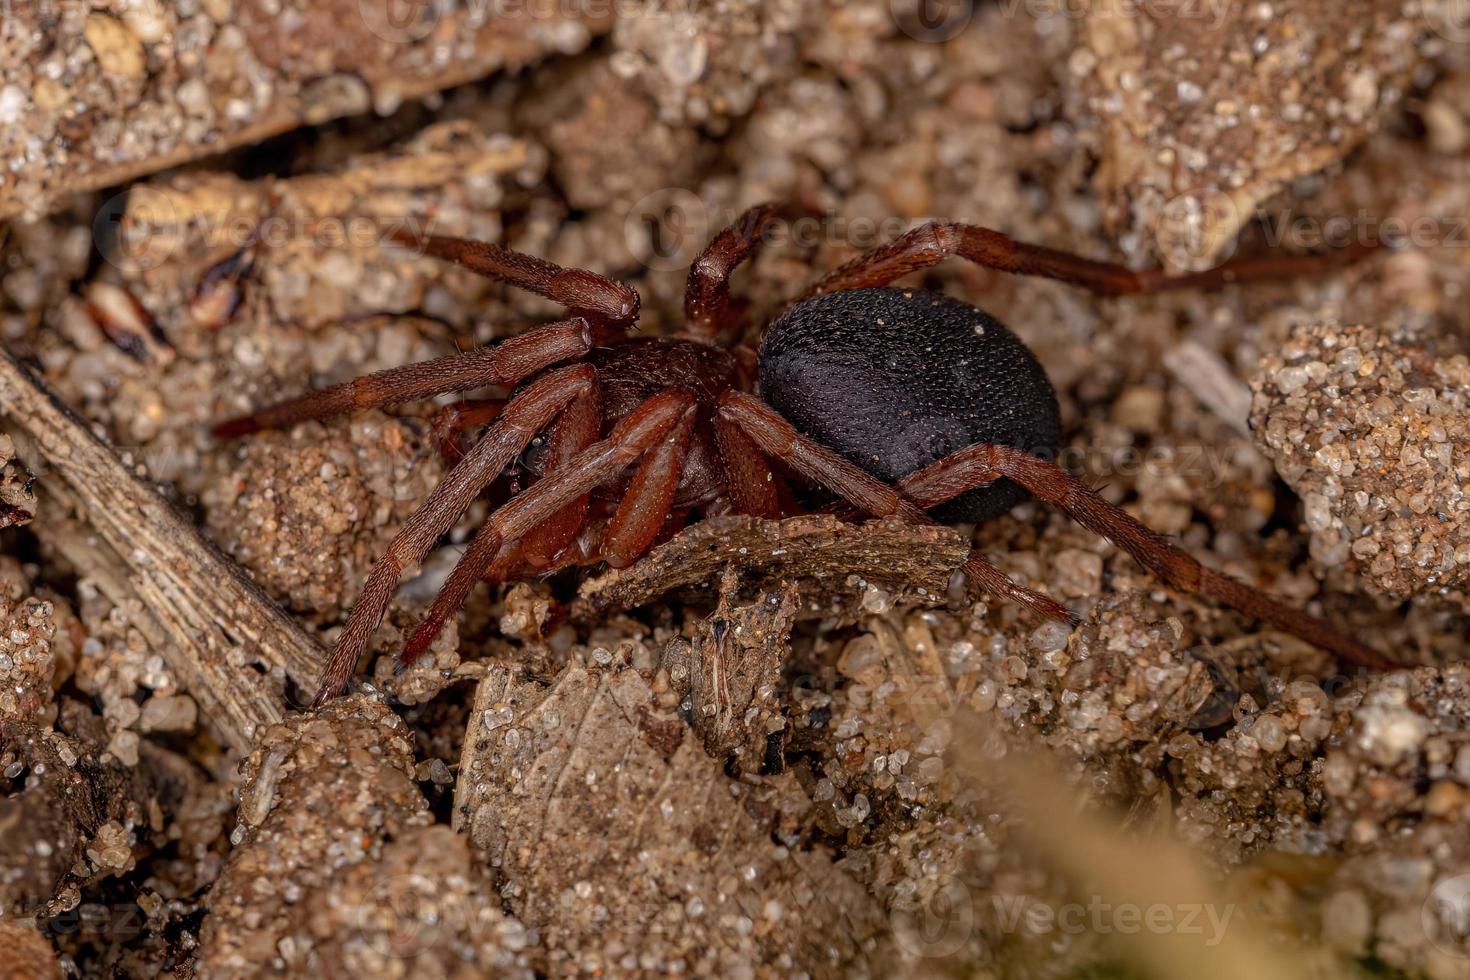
{"type": "Point", "coordinates": [620, 836]}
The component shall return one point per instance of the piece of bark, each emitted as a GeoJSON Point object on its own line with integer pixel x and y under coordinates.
{"type": "Point", "coordinates": [95, 95]}
{"type": "Point", "coordinates": [833, 562]}
{"type": "Point", "coordinates": [620, 837]}
{"type": "Point", "coordinates": [316, 244]}
{"type": "Point", "coordinates": [733, 665]}
{"type": "Point", "coordinates": [226, 643]}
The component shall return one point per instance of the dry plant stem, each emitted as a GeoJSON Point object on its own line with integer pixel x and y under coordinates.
{"type": "Point", "coordinates": [504, 364]}
{"type": "Point", "coordinates": [202, 609]}
{"type": "Point", "coordinates": [830, 557]}
{"type": "Point", "coordinates": [1093, 847]}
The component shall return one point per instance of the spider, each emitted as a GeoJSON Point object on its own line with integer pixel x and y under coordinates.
{"type": "Point", "coordinates": [903, 404]}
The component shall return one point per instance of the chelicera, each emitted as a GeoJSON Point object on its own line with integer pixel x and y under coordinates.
{"type": "Point", "coordinates": [903, 404]}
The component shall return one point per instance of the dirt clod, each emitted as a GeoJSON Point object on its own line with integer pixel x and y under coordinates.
{"type": "Point", "coordinates": [1372, 430]}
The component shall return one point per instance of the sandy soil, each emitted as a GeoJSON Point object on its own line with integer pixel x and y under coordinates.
{"type": "Point", "coordinates": [585, 776]}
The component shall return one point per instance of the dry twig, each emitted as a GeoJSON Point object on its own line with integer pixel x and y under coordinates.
{"type": "Point", "coordinates": [224, 640]}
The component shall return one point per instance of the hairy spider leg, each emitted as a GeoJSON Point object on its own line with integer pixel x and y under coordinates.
{"type": "Point", "coordinates": [660, 421]}
{"type": "Point", "coordinates": [528, 413]}
{"type": "Point", "coordinates": [749, 481]}
{"type": "Point", "coordinates": [578, 427]}
{"type": "Point", "coordinates": [932, 243]}
{"type": "Point", "coordinates": [779, 439]}
{"type": "Point", "coordinates": [452, 420]}
{"type": "Point", "coordinates": [709, 308]}
{"type": "Point", "coordinates": [649, 499]}
{"type": "Point", "coordinates": [979, 464]}
{"type": "Point", "coordinates": [578, 290]}
{"type": "Point", "coordinates": [540, 550]}
{"type": "Point", "coordinates": [507, 363]}
{"type": "Point", "coordinates": [574, 430]}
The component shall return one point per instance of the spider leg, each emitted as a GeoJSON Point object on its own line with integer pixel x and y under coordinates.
{"type": "Point", "coordinates": [451, 420]}
{"type": "Point", "coordinates": [986, 577]}
{"type": "Point", "coordinates": [573, 431]}
{"type": "Point", "coordinates": [977, 465]}
{"type": "Point", "coordinates": [709, 308]}
{"type": "Point", "coordinates": [506, 363]}
{"type": "Point", "coordinates": [649, 498]}
{"type": "Point", "coordinates": [527, 414]}
{"type": "Point", "coordinates": [579, 426]}
{"type": "Point", "coordinates": [932, 243]}
{"type": "Point", "coordinates": [500, 568]}
{"type": "Point", "coordinates": [576, 289]}
{"type": "Point", "coordinates": [749, 480]}
{"type": "Point", "coordinates": [778, 438]}
{"type": "Point", "coordinates": [648, 427]}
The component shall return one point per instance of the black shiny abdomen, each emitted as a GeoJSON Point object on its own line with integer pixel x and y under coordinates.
{"type": "Point", "coordinates": [895, 379]}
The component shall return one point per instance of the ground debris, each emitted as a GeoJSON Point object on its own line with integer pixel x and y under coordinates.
{"type": "Point", "coordinates": [28, 955]}
{"type": "Point", "coordinates": [1372, 430]}
{"type": "Point", "coordinates": [314, 296]}
{"type": "Point", "coordinates": [1392, 785]}
{"type": "Point", "coordinates": [307, 512]}
{"type": "Point", "coordinates": [69, 817]}
{"type": "Point", "coordinates": [627, 847]}
{"type": "Point", "coordinates": [313, 249]}
{"type": "Point", "coordinates": [835, 564]}
{"type": "Point", "coordinates": [338, 866]}
{"type": "Point", "coordinates": [1208, 112]}
{"type": "Point", "coordinates": [17, 493]}
{"type": "Point", "coordinates": [1195, 721]}
{"type": "Point", "coordinates": [95, 95]}
{"type": "Point", "coordinates": [736, 659]}
{"type": "Point", "coordinates": [28, 626]}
